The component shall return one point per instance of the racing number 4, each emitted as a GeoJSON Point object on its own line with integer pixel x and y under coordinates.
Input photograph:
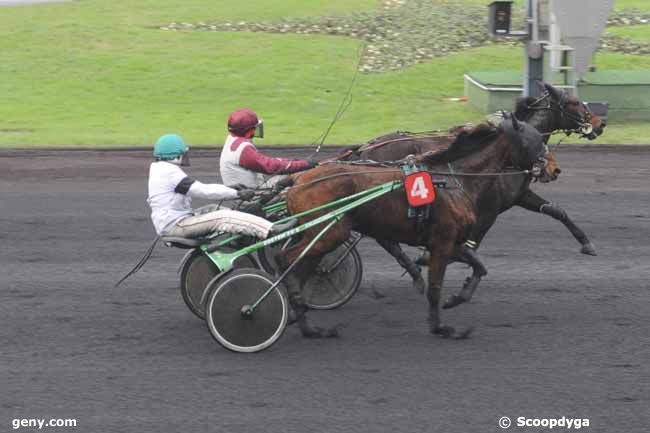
{"type": "Point", "coordinates": [419, 189]}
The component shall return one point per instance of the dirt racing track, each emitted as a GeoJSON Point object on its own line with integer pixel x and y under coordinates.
{"type": "Point", "coordinates": [556, 333]}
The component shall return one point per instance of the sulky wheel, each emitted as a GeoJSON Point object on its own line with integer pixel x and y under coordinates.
{"type": "Point", "coordinates": [266, 255]}
{"type": "Point", "coordinates": [229, 297]}
{"type": "Point", "coordinates": [330, 287]}
{"type": "Point", "coordinates": [197, 271]}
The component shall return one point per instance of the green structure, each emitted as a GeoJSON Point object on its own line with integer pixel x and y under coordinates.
{"type": "Point", "coordinates": [559, 42]}
{"type": "Point", "coordinates": [627, 92]}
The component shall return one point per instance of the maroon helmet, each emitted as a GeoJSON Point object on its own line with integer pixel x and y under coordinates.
{"type": "Point", "coordinates": [242, 120]}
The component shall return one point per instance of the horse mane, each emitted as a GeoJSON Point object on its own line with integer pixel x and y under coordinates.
{"type": "Point", "coordinates": [522, 107]}
{"type": "Point", "coordinates": [467, 141]}
{"type": "Point", "coordinates": [388, 137]}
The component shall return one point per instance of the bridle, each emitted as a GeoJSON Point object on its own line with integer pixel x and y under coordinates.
{"type": "Point", "coordinates": [585, 128]}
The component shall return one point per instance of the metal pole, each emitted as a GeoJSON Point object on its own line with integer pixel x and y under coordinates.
{"type": "Point", "coordinates": [534, 67]}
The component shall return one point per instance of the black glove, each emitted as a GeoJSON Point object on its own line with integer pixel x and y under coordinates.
{"type": "Point", "coordinates": [312, 162]}
{"type": "Point", "coordinates": [239, 186]}
{"type": "Point", "coordinates": [267, 196]}
{"type": "Point", "coordinates": [246, 194]}
{"type": "Point", "coordinates": [282, 184]}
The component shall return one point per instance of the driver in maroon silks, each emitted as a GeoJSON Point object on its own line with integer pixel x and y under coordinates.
{"type": "Point", "coordinates": [241, 164]}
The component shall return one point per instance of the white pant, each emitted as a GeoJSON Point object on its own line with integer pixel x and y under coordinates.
{"type": "Point", "coordinates": [224, 220]}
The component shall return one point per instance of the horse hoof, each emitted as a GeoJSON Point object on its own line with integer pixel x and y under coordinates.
{"type": "Point", "coordinates": [312, 332]}
{"type": "Point", "coordinates": [419, 285]}
{"type": "Point", "coordinates": [333, 332]}
{"type": "Point", "coordinates": [452, 302]}
{"type": "Point", "coordinates": [588, 249]}
{"type": "Point", "coordinates": [292, 317]}
{"type": "Point", "coordinates": [444, 331]}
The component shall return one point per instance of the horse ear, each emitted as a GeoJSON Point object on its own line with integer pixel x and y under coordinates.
{"type": "Point", "coordinates": [522, 107]}
{"type": "Point", "coordinates": [515, 124]}
{"type": "Point", "coordinates": [555, 93]}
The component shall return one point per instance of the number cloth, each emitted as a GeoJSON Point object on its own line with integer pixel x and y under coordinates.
{"type": "Point", "coordinates": [419, 189]}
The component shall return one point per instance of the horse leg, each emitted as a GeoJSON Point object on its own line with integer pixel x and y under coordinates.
{"type": "Point", "coordinates": [467, 254]}
{"type": "Point", "coordinates": [424, 259]}
{"type": "Point", "coordinates": [535, 203]}
{"type": "Point", "coordinates": [437, 266]}
{"type": "Point", "coordinates": [295, 280]}
{"type": "Point", "coordinates": [470, 256]}
{"type": "Point", "coordinates": [405, 262]}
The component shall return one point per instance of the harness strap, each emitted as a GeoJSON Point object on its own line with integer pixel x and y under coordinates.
{"type": "Point", "coordinates": [453, 175]}
{"type": "Point", "coordinates": [395, 140]}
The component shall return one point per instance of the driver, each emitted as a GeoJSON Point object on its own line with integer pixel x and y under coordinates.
{"type": "Point", "coordinates": [171, 192]}
{"type": "Point", "coordinates": [242, 164]}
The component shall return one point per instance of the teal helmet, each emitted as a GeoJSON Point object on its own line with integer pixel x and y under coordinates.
{"type": "Point", "coordinates": [169, 146]}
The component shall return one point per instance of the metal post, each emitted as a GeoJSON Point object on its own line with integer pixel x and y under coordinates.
{"type": "Point", "coordinates": [534, 67]}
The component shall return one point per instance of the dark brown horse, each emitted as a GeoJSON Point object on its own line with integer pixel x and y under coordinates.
{"type": "Point", "coordinates": [554, 111]}
{"type": "Point", "coordinates": [480, 158]}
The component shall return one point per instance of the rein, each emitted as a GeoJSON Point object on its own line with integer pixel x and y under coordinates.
{"type": "Point", "coordinates": [411, 136]}
{"type": "Point", "coordinates": [451, 173]}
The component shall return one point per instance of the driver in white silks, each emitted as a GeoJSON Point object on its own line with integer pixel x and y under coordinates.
{"type": "Point", "coordinates": [170, 198]}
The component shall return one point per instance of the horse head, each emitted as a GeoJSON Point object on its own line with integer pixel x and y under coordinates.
{"type": "Point", "coordinates": [529, 150]}
{"type": "Point", "coordinates": [556, 110]}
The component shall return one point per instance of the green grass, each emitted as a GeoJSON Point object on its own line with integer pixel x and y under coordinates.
{"type": "Point", "coordinates": [643, 5]}
{"type": "Point", "coordinates": [102, 73]}
{"type": "Point", "coordinates": [97, 72]}
{"type": "Point", "coordinates": [621, 61]}
{"type": "Point", "coordinates": [636, 33]}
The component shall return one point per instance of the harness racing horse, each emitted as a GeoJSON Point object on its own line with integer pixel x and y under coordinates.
{"type": "Point", "coordinates": [481, 158]}
{"type": "Point", "coordinates": [555, 110]}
